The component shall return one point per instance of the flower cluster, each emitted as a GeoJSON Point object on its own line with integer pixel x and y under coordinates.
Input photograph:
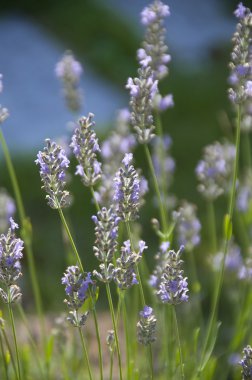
{"type": "Point", "coordinates": [188, 226]}
{"type": "Point", "coordinates": [173, 286]}
{"type": "Point", "coordinates": [106, 233]}
{"type": "Point", "coordinates": [76, 287]}
{"type": "Point", "coordinates": [68, 70]}
{"type": "Point", "coordinates": [214, 171]}
{"type": "Point", "coordinates": [246, 363]}
{"type": "Point", "coordinates": [127, 190]}
{"type": "Point", "coordinates": [7, 209]}
{"type": "Point", "coordinates": [146, 327]}
{"type": "Point", "coordinates": [241, 64]}
{"type": "Point", "coordinates": [53, 163]}
{"type": "Point", "coordinates": [125, 270]}
{"type": "Point", "coordinates": [10, 269]}
{"type": "Point", "coordinates": [142, 91]}
{"type": "Point", "coordinates": [154, 42]}
{"type": "Point", "coordinates": [85, 147]}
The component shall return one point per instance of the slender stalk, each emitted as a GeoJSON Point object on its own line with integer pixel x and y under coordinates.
{"type": "Point", "coordinates": [63, 220]}
{"type": "Point", "coordinates": [26, 233]}
{"type": "Point", "coordinates": [111, 307]}
{"type": "Point", "coordinates": [227, 239]}
{"type": "Point", "coordinates": [156, 187]}
{"type": "Point", "coordinates": [4, 358]}
{"type": "Point", "coordinates": [212, 226]}
{"type": "Point", "coordinates": [151, 362]}
{"type": "Point", "coordinates": [111, 364]}
{"type": "Point", "coordinates": [127, 339]}
{"type": "Point", "coordinates": [98, 339]}
{"type": "Point", "coordinates": [10, 352]}
{"type": "Point", "coordinates": [137, 269]}
{"type": "Point", "coordinates": [85, 353]}
{"type": "Point", "coordinates": [178, 342]}
{"type": "Point", "coordinates": [14, 336]}
{"type": "Point", "coordinates": [94, 198]}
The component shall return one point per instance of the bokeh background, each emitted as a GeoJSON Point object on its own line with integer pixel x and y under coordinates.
{"type": "Point", "coordinates": [104, 36]}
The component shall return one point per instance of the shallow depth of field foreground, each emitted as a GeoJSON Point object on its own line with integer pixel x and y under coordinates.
{"type": "Point", "coordinates": [112, 266]}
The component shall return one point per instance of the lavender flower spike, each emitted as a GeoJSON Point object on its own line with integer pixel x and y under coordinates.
{"type": "Point", "coordinates": [173, 286]}
{"type": "Point", "coordinates": [106, 234]}
{"type": "Point", "coordinates": [76, 287]}
{"type": "Point", "coordinates": [246, 363]}
{"type": "Point", "coordinates": [10, 269]}
{"type": "Point", "coordinates": [142, 91]}
{"type": "Point", "coordinates": [68, 70]}
{"type": "Point", "coordinates": [241, 64]}
{"type": "Point", "coordinates": [154, 46]}
{"type": "Point", "coordinates": [85, 147]}
{"type": "Point", "coordinates": [125, 270]}
{"type": "Point", "coordinates": [53, 163]}
{"type": "Point", "coordinates": [127, 190]}
{"type": "Point", "coordinates": [146, 327]}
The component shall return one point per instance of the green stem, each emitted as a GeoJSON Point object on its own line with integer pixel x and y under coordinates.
{"type": "Point", "coordinates": [151, 362]}
{"type": "Point", "coordinates": [85, 353]}
{"type": "Point", "coordinates": [212, 226]}
{"type": "Point", "coordinates": [94, 198]}
{"type": "Point", "coordinates": [227, 239]}
{"type": "Point", "coordinates": [128, 351]}
{"type": "Point", "coordinates": [14, 336]}
{"type": "Point", "coordinates": [10, 352]}
{"type": "Point", "coordinates": [111, 364]}
{"type": "Point", "coordinates": [111, 307]}
{"type": "Point", "coordinates": [137, 269]}
{"type": "Point", "coordinates": [4, 358]}
{"type": "Point", "coordinates": [26, 233]}
{"type": "Point", "coordinates": [156, 187]}
{"type": "Point", "coordinates": [64, 222]}
{"type": "Point", "coordinates": [98, 339]}
{"type": "Point", "coordinates": [178, 342]}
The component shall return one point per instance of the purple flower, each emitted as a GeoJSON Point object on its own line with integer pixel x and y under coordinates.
{"type": "Point", "coordinates": [10, 253]}
{"type": "Point", "coordinates": [146, 312]}
{"type": "Point", "coordinates": [127, 190]}
{"type": "Point", "coordinates": [173, 286]}
{"type": "Point", "coordinates": [240, 11]}
{"type": "Point", "coordinates": [148, 16]}
{"type": "Point", "coordinates": [127, 159]}
{"type": "Point", "coordinates": [53, 162]}
{"type": "Point", "coordinates": [146, 327]}
{"type": "Point", "coordinates": [85, 145]}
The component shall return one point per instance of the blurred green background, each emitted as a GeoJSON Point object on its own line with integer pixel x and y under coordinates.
{"type": "Point", "coordinates": [108, 40]}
